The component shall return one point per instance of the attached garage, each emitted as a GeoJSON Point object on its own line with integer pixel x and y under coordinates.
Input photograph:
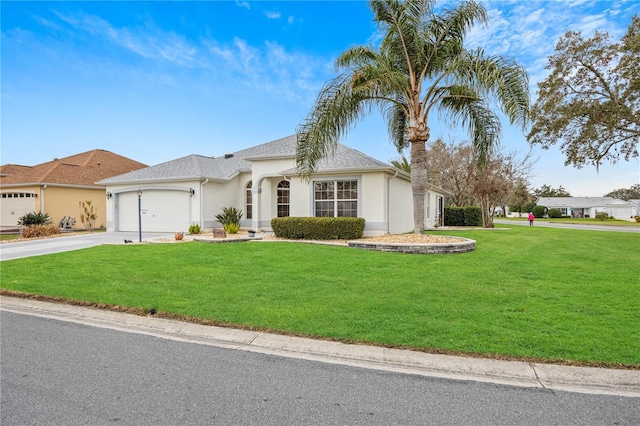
{"type": "Point", "coordinates": [161, 211]}
{"type": "Point", "coordinates": [14, 205]}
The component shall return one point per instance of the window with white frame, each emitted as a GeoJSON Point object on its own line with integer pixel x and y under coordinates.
{"type": "Point", "coordinates": [248, 203]}
{"type": "Point", "coordinates": [283, 198]}
{"type": "Point", "coordinates": [336, 198]}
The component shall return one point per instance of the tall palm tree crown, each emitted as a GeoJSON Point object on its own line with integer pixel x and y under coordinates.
{"type": "Point", "coordinates": [421, 66]}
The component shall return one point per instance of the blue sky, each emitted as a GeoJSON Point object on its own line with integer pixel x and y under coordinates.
{"type": "Point", "coordinates": [157, 80]}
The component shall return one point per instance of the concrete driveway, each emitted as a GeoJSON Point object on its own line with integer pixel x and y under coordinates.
{"type": "Point", "coordinates": [21, 249]}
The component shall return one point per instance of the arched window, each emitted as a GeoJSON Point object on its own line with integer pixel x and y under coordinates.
{"type": "Point", "coordinates": [248, 202]}
{"type": "Point", "coordinates": [283, 198]}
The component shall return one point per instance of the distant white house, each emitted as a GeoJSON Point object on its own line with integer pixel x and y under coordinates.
{"type": "Point", "coordinates": [589, 206]}
{"type": "Point", "coordinates": [262, 182]}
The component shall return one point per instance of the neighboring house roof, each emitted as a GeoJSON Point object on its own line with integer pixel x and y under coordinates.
{"type": "Point", "coordinates": [580, 202]}
{"type": "Point", "coordinates": [11, 169]}
{"type": "Point", "coordinates": [83, 169]}
{"type": "Point", "coordinates": [223, 168]}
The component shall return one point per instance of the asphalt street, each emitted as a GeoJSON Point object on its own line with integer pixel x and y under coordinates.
{"type": "Point", "coordinates": [543, 223]}
{"type": "Point", "coordinates": [54, 372]}
{"type": "Point", "coordinates": [62, 364]}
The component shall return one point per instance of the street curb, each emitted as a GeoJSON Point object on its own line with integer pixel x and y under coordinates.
{"type": "Point", "coordinates": [514, 373]}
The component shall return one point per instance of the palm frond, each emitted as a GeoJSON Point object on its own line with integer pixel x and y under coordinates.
{"type": "Point", "coordinates": [465, 107]}
{"type": "Point", "coordinates": [335, 110]}
{"type": "Point", "coordinates": [396, 117]}
{"type": "Point", "coordinates": [501, 78]}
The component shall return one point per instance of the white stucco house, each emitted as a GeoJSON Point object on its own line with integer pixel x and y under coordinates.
{"type": "Point", "coordinates": [589, 206]}
{"type": "Point", "coordinates": [262, 182]}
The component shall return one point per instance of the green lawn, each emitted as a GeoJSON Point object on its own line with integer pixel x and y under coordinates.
{"type": "Point", "coordinates": [540, 293]}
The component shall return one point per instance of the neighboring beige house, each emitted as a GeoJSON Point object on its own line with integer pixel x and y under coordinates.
{"type": "Point", "coordinates": [262, 182]}
{"type": "Point", "coordinates": [58, 187]}
{"type": "Point", "coordinates": [589, 206]}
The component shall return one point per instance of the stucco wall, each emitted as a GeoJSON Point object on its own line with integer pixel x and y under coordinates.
{"type": "Point", "coordinates": [400, 206]}
{"type": "Point", "coordinates": [60, 202]}
{"type": "Point", "coordinates": [63, 201]}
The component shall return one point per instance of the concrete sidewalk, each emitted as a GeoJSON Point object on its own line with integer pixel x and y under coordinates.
{"type": "Point", "coordinates": [514, 373]}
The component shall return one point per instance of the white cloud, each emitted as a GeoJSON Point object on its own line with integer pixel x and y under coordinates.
{"type": "Point", "coordinates": [148, 42]}
{"type": "Point", "coordinates": [243, 4]}
{"type": "Point", "coordinates": [272, 15]}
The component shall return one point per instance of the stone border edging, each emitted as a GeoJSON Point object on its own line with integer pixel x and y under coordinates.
{"type": "Point", "coordinates": [417, 248]}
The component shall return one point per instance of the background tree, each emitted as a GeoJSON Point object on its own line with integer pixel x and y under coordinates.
{"type": "Point", "coordinates": [632, 193]}
{"type": "Point", "coordinates": [420, 67]}
{"type": "Point", "coordinates": [547, 191]}
{"type": "Point", "coordinates": [493, 185]}
{"type": "Point", "coordinates": [450, 166]}
{"type": "Point", "coordinates": [520, 197]}
{"type": "Point", "coordinates": [591, 100]}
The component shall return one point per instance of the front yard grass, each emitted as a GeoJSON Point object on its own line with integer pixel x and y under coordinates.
{"type": "Point", "coordinates": [545, 294]}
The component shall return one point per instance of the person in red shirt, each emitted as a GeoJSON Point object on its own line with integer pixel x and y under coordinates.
{"type": "Point", "coordinates": [531, 218]}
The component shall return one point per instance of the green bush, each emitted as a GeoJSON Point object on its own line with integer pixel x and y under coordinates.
{"type": "Point", "coordinates": [195, 229]}
{"type": "Point", "coordinates": [318, 228]}
{"type": "Point", "coordinates": [555, 213]}
{"type": "Point", "coordinates": [637, 218]}
{"type": "Point", "coordinates": [463, 216]}
{"type": "Point", "coordinates": [539, 211]}
{"type": "Point", "coordinates": [602, 216]}
{"type": "Point", "coordinates": [526, 208]}
{"type": "Point", "coordinates": [472, 216]}
{"type": "Point", "coordinates": [230, 219]}
{"type": "Point", "coordinates": [34, 218]}
{"type": "Point", "coordinates": [454, 216]}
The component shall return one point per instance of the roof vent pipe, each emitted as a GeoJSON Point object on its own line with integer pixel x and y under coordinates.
{"type": "Point", "coordinates": [228, 156]}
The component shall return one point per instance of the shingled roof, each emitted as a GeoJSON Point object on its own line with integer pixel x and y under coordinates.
{"type": "Point", "coordinates": [223, 168]}
{"type": "Point", "coordinates": [84, 169]}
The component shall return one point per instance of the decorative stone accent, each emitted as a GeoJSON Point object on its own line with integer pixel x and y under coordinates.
{"type": "Point", "coordinates": [414, 248]}
{"type": "Point", "coordinates": [219, 233]}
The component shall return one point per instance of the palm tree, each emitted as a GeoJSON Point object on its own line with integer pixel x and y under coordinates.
{"type": "Point", "coordinates": [402, 164]}
{"type": "Point", "coordinates": [420, 67]}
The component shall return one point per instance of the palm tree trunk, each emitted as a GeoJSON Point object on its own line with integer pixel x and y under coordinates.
{"type": "Point", "coordinates": [418, 183]}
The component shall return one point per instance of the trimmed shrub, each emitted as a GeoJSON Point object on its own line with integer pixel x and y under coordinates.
{"type": "Point", "coordinates": [34, 218]}
{"type": "Point", "coordinates": [35, 231]}
{"type": "Point", "coordinates": [555, 213]}
{"type": "Point", "coordinates": [195, 229]}
{"type": "Point", "coordinates": [318, 228]}
{"type": "Point", "coordinates": [602, 216]}
{"type": "Point", "coordinates": [463, 216]}
{"type": "Point", "coordinates": [539, 211]}
{"type": "Point", "coordinates": [454, 216]}
{"type": "Point", "coordinates": [472, 216]}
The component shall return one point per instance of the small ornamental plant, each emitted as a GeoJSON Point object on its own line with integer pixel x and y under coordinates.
{"type": "Point", "coordinates": [34, 218]}
{"type": "Point", "coordinates": [230, 219]}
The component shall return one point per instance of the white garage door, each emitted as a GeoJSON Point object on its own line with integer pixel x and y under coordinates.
{"type": "Point", "coordinates": [14, 205]}
{"type": "Point", "coordinates": [162, 211]}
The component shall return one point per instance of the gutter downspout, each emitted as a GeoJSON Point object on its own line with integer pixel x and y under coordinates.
{"type": "Point", "coordinates": [202, 184]}
{"type": "Point", "coordinates": [42, 198]}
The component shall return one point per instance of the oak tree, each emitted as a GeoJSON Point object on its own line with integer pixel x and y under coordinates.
{"type": "Point", "coordinates": [590, 103]}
